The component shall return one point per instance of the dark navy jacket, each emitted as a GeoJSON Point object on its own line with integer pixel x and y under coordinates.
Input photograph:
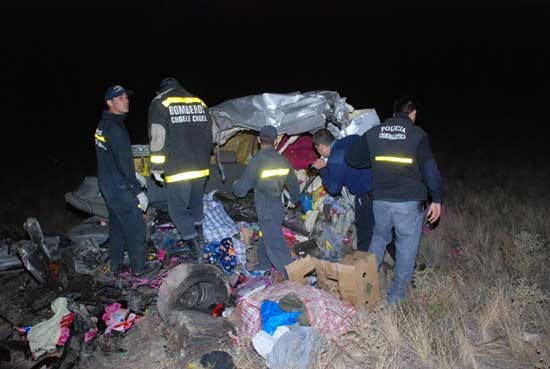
{"type": "Point", "coordinates": [115, 163]}
{"type": "Point", "coordinates": [401, 158]}
{"type": "Point", "coordinates": [338, 173]}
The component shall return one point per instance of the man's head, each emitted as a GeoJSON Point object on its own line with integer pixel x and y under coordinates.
{"type": "Point", "coordinates": [322, 139]}
{"type": "Point", "coordinates": [268, 134]}
{"type": "Point", "coordinates": [406, 104]}
{"type": "Point", "coordinates": [117, 100]}
{"type": "Point", "coordinates": [168, 82]}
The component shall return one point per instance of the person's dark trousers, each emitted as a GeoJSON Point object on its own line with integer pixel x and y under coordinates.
{"type": "Point", "coordinates": [364, 220]}
{"type": "Point", "coordinates": [185, 205]}
{"type": "Point", "coordinates": [272, 246]}
{"type": "Point", "coordinates": [126, 227]}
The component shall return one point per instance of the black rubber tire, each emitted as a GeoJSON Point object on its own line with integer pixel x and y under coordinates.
{"type": "Point", "coordinates": [192, 287]}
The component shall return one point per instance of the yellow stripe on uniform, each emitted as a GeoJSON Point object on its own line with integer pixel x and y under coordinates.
{"type": "Point", "coordinates": [187, 175]}
{"type": "Point", "coordinates": [100, 138]}
{"type": "Point", "coordinates": [274, 172]}
{"type": "Point", "coordinates": [158, 159]}
{"type": "Point", "coordinates": [394, 159]}
{"type": "Point", "coordinates": [186, 100]}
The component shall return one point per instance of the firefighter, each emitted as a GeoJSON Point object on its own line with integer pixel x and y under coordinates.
{"type": "Point", "coordinates": [268, 172]}
{"type": "Point", "coordinates": [404, 171]}
{"type": "Point", "coordinates": [117, 181]}
{"type": "Point", "coordinates": [180, 132]}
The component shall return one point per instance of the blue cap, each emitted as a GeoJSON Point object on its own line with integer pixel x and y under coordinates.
{"type": "Point", "coordinates": [114, 91]}
{"type": "Point", "coordinates": [268, 133]}
{"type": "Point", "coordinates": [168, 82]}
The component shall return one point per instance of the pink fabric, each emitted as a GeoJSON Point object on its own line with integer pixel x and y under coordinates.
{"type": "Point", "coordinates": [65, 324]}
{"type": "Point", "coordinates": [326, 313]}
{"type": "Point", "coordinates": [118, 319]}
{"type": "Point", "coordinates": [88, 336]}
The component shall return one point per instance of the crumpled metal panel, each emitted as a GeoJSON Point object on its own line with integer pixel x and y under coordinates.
{"type": "Point", "coordinates": [292, 113]}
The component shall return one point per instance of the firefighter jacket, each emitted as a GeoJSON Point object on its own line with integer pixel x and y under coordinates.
{"type": "Point", "coordinates": [115, 163]}
{"type": "Point", "coordinates": [268, 172]}
{"type": "Point", "coordinates": [401, 159]}
{"type": "Point", "coordinates": [180, 132]}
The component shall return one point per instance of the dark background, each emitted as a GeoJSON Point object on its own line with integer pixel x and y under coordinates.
{"type": "Point", "coordinates": [479, 68]}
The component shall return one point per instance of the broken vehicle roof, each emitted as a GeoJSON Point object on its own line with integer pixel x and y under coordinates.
{"type": "Point", "coordinates": [291, 113]}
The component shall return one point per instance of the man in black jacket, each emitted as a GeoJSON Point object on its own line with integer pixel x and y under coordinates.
{"type": "Point", "coordinates": [403, 171]}
{"type": "Point", "coordinates": [180, 130]}
{"type": "Point", "coordinates": [117, 181]}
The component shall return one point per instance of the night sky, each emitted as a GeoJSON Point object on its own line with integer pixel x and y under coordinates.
{"type": "Point", "coordinates": [467, 63]}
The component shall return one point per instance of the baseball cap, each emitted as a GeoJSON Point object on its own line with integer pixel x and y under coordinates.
{"type": "Point", "coordinates": [116, 90]}
{"type": "Point", "coordinates": [268, 133]}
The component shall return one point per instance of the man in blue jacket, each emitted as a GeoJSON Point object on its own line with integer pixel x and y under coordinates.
{"type": "Point", "coordinates": [404, 172]}
{"type": "Point", "coordinates": [117, 181]}
{"type": "Point", "coordinates": [336, 173]}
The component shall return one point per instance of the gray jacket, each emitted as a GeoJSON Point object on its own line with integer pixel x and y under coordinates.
{"type": "Point", "coordinates": [268, 172]}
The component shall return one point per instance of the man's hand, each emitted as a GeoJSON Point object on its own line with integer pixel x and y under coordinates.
{"type": "Point", "coordinates": [143, 201]}
{"type": "Point", "coordinates": [319, 163]}
{"type": "Point", "coordinates": [157, 176]}
{"type": "Point", "coordinates": [434, 211]}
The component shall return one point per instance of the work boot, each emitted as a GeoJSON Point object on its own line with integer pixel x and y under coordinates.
{"type": "Point", "coordinates": [150, 271]}
{"type": "Point", "coordinates": [200, 234]}
{"type": "Point", "coordinates": [195, 250]}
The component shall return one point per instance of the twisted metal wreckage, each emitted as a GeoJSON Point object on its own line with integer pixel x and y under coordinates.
{"type": "Point", "coordinates": [187, 295]}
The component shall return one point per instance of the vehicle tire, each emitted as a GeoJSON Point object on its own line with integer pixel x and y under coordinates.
{"type": "Point", "coordinates": [191, 334]}
{"type": "Point", "coordinates": [192, 287]}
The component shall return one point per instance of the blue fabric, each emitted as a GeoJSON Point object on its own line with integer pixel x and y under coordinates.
{"type": "Point", "coordinates": [221, 254]}
{"type": "Point", "coordinates": [406, 217]}
{"type": "Point", "coordinates": [217, 223]}
{"type": "Point", "coordinates": [338, 173]}
{"type": "Point", "coordinates": [273, 316]}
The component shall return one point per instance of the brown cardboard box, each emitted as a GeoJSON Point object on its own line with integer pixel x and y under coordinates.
{"type": "Point", "coordinates": [354, 279]}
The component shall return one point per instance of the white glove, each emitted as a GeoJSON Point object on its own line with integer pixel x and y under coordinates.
{"type": "Point", "coordinates": [143, 201]}
{"type": "Point", "coordinates": [158, 177]}
{"type": "Point", "coordinates": [141, 180]}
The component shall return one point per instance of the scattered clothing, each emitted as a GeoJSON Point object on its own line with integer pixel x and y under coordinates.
{"type": "Point", "coordinates": [45, 336]}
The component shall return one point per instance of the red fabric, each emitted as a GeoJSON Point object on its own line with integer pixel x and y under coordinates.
{"type": "Point", "coordinates": [65, 324]}
{"type": "Point", "coordinates": [300, 153]}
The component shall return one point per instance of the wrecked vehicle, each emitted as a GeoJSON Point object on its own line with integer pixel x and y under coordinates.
{"type": "Point", "coordinates": [190, 297]}
{"type": "Point", "coordinates": [236, 125]}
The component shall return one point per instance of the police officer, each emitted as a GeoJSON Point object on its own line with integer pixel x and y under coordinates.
{"type": "Point", "coordinates": [268, 172]}
{"type": "Point", "coordinates": [122, 192]}
{"type": "Point", "coordinates": [180, 130]}
{"type": "Point", "coordinates": [404, 170]}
